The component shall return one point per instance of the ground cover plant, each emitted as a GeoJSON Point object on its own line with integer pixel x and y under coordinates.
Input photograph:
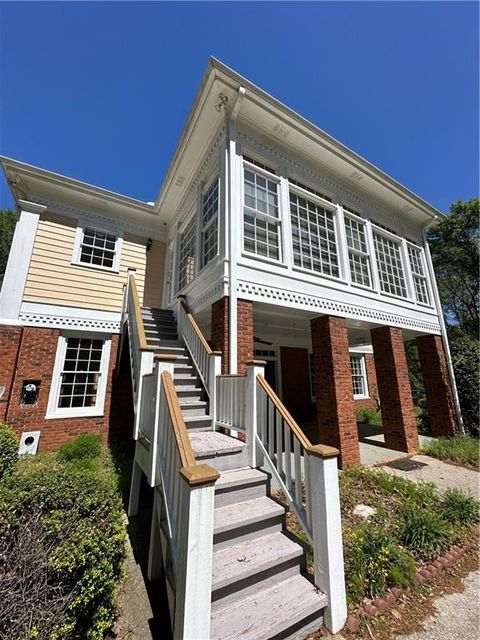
{"type": "Point", "coordinates": [463, 450]}
{"type": "Point", "coordinates": [62, 545]}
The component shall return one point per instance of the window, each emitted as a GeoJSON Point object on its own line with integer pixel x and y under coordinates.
{"type": "Point", "coordinates": [313, 236]}
{"type": "Point", "coordinates": [358, 257]}
{"type": "Point", "coordinates": [359, 378]}
{"type": "Point", "coordinates": [418, 274]}
{"type": "Point", "coordinates": [79, 378]}
{"type": "Point", "coordinates": [390, 269]}
{"type": "Point", "coordinates": [187, 255]}
{"type": "Point", "coordinates": [261, 224]}
{"type": "Point", "coordinates": [97, 248]}
{"type": "Point", "coordinates": [210, 224]}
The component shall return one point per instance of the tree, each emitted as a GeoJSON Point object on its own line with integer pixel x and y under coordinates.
{"type": "Point", "coordinates": [8, 220]}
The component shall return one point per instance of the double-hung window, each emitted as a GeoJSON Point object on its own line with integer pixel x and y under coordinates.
{"type": "Point", "coordinates": [389, 263]}
{"type": "Point", "coordinates": [97, 248]}
{"type": "Point", "coordinates": [358, 257]}
{"type": "Point", "coordinates": [79, 377]}
{"type": "Point", "coordinates": [261, 222]}
{"type": "Point", "coordinates": [359, 377]}
{"type": "Point", "coordinates": [209, 224]}
{"type": "Point", "coordinates": [187, 255]}
{"type": "Point", "coordinates": [418, 274]}
{"type": "Point", "coordinates": [313, 236]}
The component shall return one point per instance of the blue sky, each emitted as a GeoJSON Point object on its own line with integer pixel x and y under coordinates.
{"type": "Point", "coordinates": [100, 91]}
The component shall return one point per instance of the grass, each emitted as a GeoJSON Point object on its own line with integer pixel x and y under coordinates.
{"type": "Point", "coordinates": [459, 449]}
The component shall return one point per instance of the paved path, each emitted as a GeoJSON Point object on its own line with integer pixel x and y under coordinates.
{"type": "Point", "coordinates": [458, 615]}
{"type": "Point", "coordinates": [444, 475]}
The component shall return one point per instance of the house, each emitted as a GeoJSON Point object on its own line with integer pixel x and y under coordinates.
{"type": "Point", "coordinates": [272, 283]}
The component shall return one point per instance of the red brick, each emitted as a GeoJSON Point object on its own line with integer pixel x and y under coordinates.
{"type": "Point", "coordinates": [219, 332]}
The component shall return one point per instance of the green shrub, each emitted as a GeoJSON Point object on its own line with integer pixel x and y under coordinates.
{"type": "Point", "coordinates": [8, 449]}
{"type": "Point", "coordinates": [462, 449]}
{"type": "Point", "coordinates": [374, 561]}
{"type": "Point", "coordinates": [79, 531]}
{"type": "Point", "coordinates": [370, 416]}
{"type": "Point", "coordinates": [458, 508]}
{"type": "Point", "coordinates": [424, 531]}
{"type": "Point", "coordinates": [87, 445]}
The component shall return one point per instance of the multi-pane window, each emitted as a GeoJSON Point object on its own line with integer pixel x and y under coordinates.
{"type": "Point", "coordinates": [97, 248]}
{"type": "Point", "coordinates": [359, 382]}
{"type": "Point", "coordinates": [390, 268]}
{"type": "Point", "coordinates": [313, 236]}
{"type": "Point", "coordinates": [210, 224]}
{"type": "Point", "coordinates": [418, 274]}
{"type": "Point", "coordinates": [358, 257]}
{"type": "Point", "coordinates": [261, 224]}
{"type": "Point", "coordinates": [81, 371]}
{"type": "Point", "coordinates": [187, 255]}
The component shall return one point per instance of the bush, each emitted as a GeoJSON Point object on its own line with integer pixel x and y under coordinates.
{"type": "Point", "coordinates": [424, 531]}
{"type": "Point", "coordinates": [462, 449]}
{"type": "Point", "coordinates": [87, 445]}
{"type": "Point", "coordinates": [369, 416]}
{"type": "Point", "coordinates": [72, 515]}
{"type": "Point", "coordinates": [465, 358]}
{"type": "Point", "coordinates": [8, 449]}
{"type": "Point", "coordinates": [458, 508]}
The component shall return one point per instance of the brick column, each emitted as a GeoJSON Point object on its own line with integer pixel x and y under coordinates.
{"type": "Point", "coordinates": [219, 332]}
{"type": "Point", "coordinates": [438, 389]}
{"type": "Point", "coordinates": [398, 416]}
{"type": "Point", "coordinates": [333, 388]}
{"type": "Point", "coordinates": [10, 341]}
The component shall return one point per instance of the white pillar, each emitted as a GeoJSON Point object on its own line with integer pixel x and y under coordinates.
{"type": "Point", "coordinates": [254, 368]}
{"type": "Point", "coordinates": [326, 524]}
{"type": "Point", "coordinates": [15, 278]}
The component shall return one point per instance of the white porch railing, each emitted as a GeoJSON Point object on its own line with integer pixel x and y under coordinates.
{"type": "Point", "coordinates": [231, 397]}
{"type": "Point", "coordinates": [308, 476]}
{"type": "Point", "coordinates": [146, 422]}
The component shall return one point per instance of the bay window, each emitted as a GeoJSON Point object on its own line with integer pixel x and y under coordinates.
{"type": "Point", "coordinates": [261, 222]}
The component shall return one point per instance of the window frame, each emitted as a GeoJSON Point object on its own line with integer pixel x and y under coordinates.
{"type": "Point", "coordinates": [423, 276]}
{"type": "Point", "coordinates": [215, 182]}
{"type": "Point", "coordinates": [376, 230]}
{"type": "Point", "coordinates": [190, 222]}
{"type": "Point", "coordinates": [53, 410]}
{"type": "Point", "coordinates": [77, 247]}
{"type": "Point", "coordinates": [366, 393]}
{"type": "Point", "coordinates": [359, 220]}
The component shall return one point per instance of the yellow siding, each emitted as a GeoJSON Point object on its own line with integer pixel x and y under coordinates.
{"type": "Point", "coordinates": [53, 279]}
{"type": "Point", "coordinates": [154, 271]}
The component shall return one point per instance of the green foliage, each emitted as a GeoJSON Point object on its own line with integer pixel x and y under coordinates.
{"type": "Point", "coordinates": [369, 416]}
{"type": "Point", "coordinates": [458, 508]}
{"type": "Point", "coordinates": [8, 220]}
{"type": "Point", "coordinates": [465, 351]}
{"type": "Point", "coordinates": [83, 536]}
{"type": "Point", "coordinates": [8, 449]}
{"type": "Point", "coordinates": [424, 531]}
{"type": "Point", "coordinates": [87, 445]}
{"type": "Point", "coordinates": [458, 449]}
{"type": "Point", "coordinates": [373, 562]}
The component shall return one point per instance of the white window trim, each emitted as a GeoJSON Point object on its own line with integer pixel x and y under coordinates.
{"type": "Point", "coordinates": [191, 218]}
{"type": "Point", "coordinates": [205, 227]}
{"type": "Point", "coordinates": [367, 254]}
{"type": "Point", "coordinates": [425, 277]}
{"type": "Point", "coordinates": [398, 240]}
{"type": "Point", "coordinates": [81, 225]}
{"type": "Point", "coordinates": [53, 411]}
{"type": "Point", "coordinates": [361, 357]}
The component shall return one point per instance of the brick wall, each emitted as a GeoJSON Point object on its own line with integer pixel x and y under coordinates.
{"type": "Point", "coordinates": [219, 333]}
{"type": "Point", "coordinates": [333, 388]}
{"type": "Point", "coordinates": [436, 380]}
{"type": "Point", "coordinates": [10, 339]}
{"type": "Point", "coordinates": [34, 351]}
{"type": "Point", "coordinates": [398, 417]}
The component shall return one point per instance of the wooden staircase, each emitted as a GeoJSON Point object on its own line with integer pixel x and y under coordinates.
{"type": "Point", "coordinates": [260, 588]}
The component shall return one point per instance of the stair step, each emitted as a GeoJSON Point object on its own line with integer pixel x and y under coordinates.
{"type": "Point", "coordinates": [218, 450]}
{"type": "Point", "coordinates": [182, 378]}
{"type": "Point", "coordinates": [198, 423]}
{"type": "Point", "coordinates": [291, 609]}
{"type": "Point", "coordinates": [244, 566]}
{"type": "Point", "coordinates": [239, 485]}
{"type": "Point", "coordinates": [172, 348]}
{"type": "Point", "coordinates": [243, 521]}
{"type": "Point", "coordinates": [193, 407]}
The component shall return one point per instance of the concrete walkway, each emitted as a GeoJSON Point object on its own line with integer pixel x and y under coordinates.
{"type": "Point", "coordinates": [458, 615]}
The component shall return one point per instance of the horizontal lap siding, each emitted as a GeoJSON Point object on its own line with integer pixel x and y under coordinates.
{"type": "Point", "coordinates": [154, 272]}
{"type": "Point", "coordinates": [52, 279]}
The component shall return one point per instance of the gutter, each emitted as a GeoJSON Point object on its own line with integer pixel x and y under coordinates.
{"type": "Point", "coordinates": [443, 327]}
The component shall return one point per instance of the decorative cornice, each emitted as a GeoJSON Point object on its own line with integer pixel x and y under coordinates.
{"type": "Point", "coordinates": [52, 321]}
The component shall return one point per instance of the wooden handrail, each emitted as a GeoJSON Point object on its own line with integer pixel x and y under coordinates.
{"type": "Point", "coordinates": [318, 450]}
{"type": "Point", "coordinates": [138, 315]}
{"type": "Point", "coordinates": [196, 328]}
{"type": "Point", "coordinates": [193, 473]}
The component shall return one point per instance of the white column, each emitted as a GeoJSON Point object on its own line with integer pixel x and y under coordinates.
{"type": "Point", "coordinates": [324, 499]}
{"type": "Point", "coordinates": [214, 370]}
{"type": "Point", "coordinates": [11, 294]}
{"type": "Point", "coordinates": [254, 368]}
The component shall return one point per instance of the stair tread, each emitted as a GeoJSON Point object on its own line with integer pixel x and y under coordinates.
{"type": "Point", "coordinates": [231, 516]}
{"type": "Point", "coordinates": [211, 443]}
{"type": "Point", "coordinates": [246, 475]}
{"type": "Point", "coordinates": [268, 612]}
{"type": "Point", "coordinates": [244, 559]}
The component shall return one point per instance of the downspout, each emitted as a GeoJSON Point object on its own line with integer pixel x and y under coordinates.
{"type": "Point", "coordinates": [233, 194]}
{"type": "Point", "coordinates": [443, 327]}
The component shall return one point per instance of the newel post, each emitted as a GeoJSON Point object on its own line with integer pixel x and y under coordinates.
{"type": "Point", "coordinates": [162, 362]}
{"type": "Point", "coordinates": [195, 554]}
{"type": "Point", "coordinates": [254, 369]}
{"type": "Point", "coordinates": [214, 370]}
{"type": "Point", "coordinates": [324, 498]}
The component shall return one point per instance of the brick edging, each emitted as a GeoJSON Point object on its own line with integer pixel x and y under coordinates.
{"type": "Point", "coordinates": [425, 574]}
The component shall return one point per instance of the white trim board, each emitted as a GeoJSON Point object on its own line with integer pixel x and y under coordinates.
{"type": "Point", "coordinates": [34, 314]}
